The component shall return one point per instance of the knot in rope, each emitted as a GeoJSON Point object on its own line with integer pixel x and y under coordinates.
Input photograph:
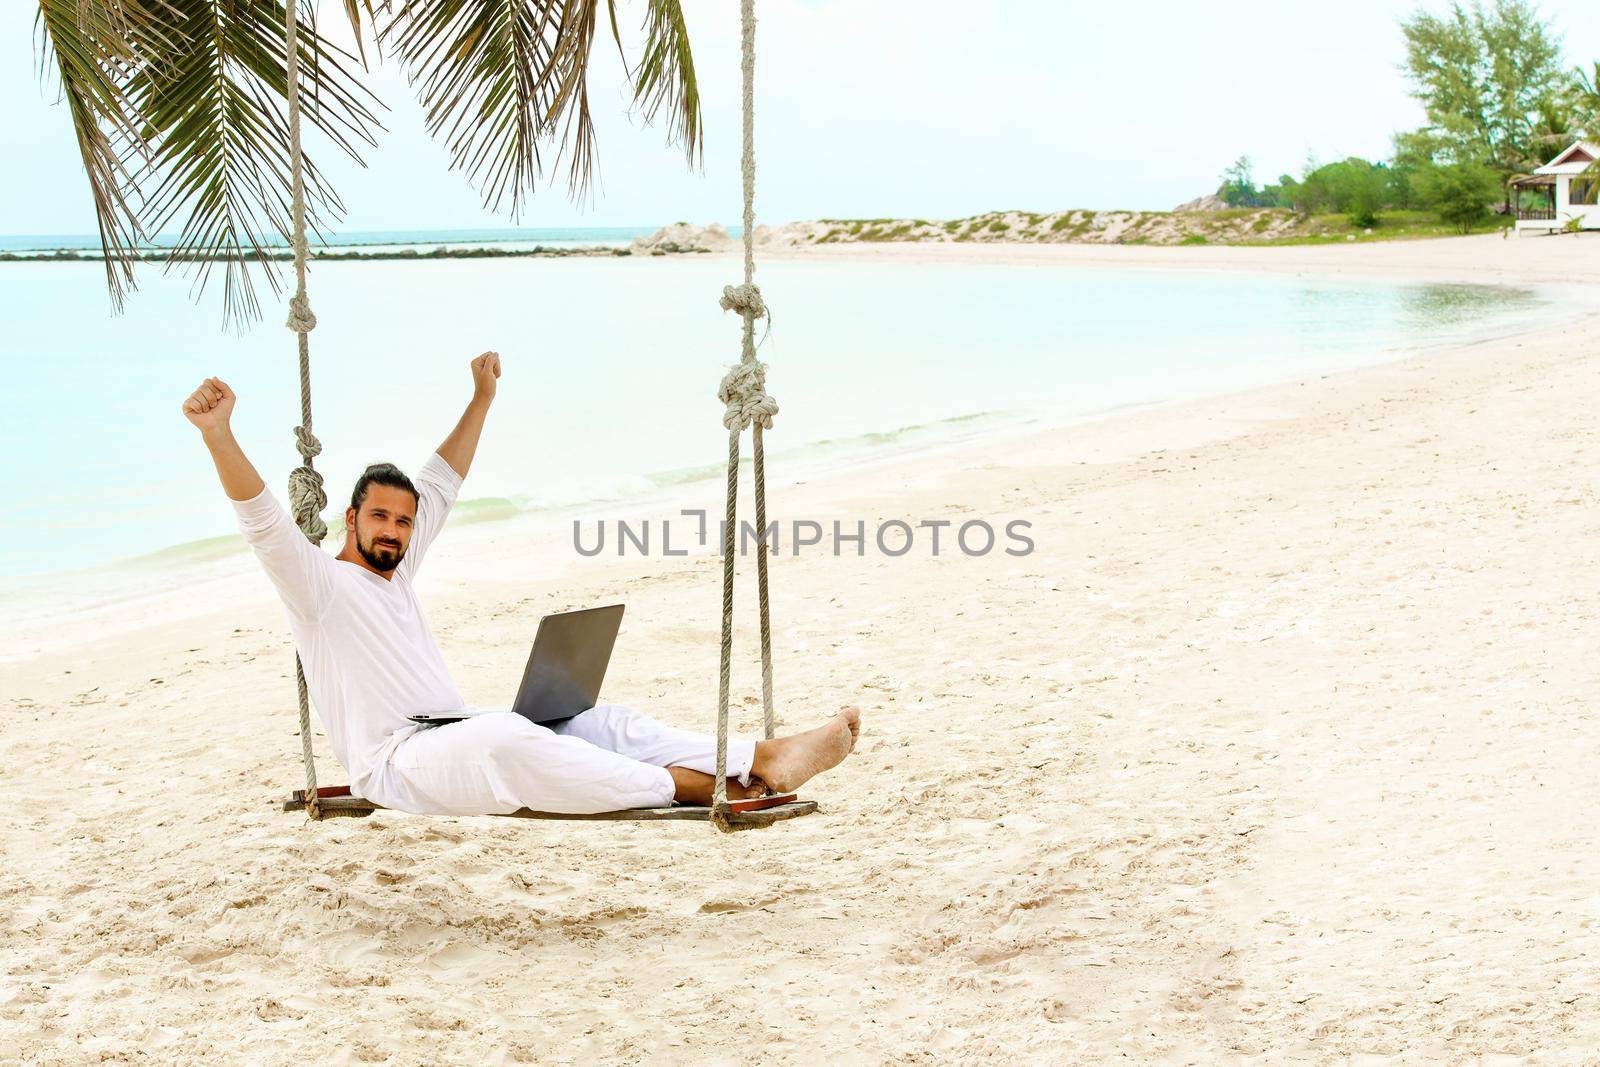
{"type": "Point", "coordinates": [307, 444]}
{"type": "Point", "coordinates": [301, 318]}
{"type": "Point", "coordinates": [744, 391]}
{"type": "Point", "coordinates": [745, 299]}
{"type": "Point", "coordinates": [307, 498]}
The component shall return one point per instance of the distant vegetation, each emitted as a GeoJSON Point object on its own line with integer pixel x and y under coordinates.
{"type": "Point", "coordinates": [1231, 226]}
{"type": "Point", "coordinates": [1499, 100]}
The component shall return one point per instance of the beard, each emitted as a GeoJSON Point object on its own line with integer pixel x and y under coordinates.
{"type": "Point", "coordinates": [380, 556]}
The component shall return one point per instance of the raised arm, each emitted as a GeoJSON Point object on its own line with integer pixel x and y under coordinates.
{"type": "Point", "coordinates": [300, 571]}
{"type": "Point", "coordinates": [210, 408]}
{"type": "Point", "coordinates": [462, 444]}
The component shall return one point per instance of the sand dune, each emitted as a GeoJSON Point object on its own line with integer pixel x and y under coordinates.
{"type": "Point", "coordinates": [1279, 745]}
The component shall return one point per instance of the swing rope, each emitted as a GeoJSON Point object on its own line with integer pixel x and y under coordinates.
{"type": "Point", "coordinates": [744, 392]}
{"type": "Point", "coordinates": [306, 495]}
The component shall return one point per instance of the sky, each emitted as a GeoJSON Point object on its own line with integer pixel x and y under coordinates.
{"type": "Point", "coordinates": [874, 108]}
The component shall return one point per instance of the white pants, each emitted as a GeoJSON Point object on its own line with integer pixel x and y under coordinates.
{"type": "Point", "coordinates": [606, 759]}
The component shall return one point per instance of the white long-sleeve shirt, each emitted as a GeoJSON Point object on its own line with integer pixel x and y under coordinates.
{"type": "Point", "coordinates": [370, 660]}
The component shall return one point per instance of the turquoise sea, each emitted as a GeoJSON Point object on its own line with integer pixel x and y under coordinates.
{"type": "Point", "coordinates": [611, 369]}
{"type": "Point", "coordinates": [374, 240]}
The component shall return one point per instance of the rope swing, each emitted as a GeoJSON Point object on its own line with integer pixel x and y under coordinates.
{"type": "Point", "coordinates": [306, 495]}
{"type": "Point", "coordinates": [744, 392]}
{"type": "Point", "coordinates": [746, 403]}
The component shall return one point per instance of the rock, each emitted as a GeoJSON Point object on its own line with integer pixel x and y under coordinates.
{"type": "Point", "coordinates": [790, 234]}
{"type": "Point", "coordinates": [1204, 203]}
{"type": "Point", "coordinates": [683, 237]}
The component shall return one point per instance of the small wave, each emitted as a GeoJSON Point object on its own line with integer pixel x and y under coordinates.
{"type": "Point", "coordinates": [562, 495]}
{"type": "Point", "coordinates": [916, 432]}
{"type": "Point", "coordinates": [685, 475]}
{"type": "Point", "coordinates": [203, 550]}
{"type": "Point", "coordinates": [484, 509]}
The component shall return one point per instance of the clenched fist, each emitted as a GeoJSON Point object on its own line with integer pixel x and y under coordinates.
{"type": "Point", "coordinates": [210, 406]}
{"type": "Point", "coordinates": [485, 372]}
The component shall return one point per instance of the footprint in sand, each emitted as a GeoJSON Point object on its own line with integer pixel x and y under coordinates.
{"type": "Point", "coordinates": [715, 907]}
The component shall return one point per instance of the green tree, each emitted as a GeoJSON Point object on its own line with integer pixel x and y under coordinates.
{"type": "Point", "coordinates": [1414, 152]}
{"type": "Point", "coordinates": [1484, 75]}
{"type": "Point", "coordinates": [178, 108]}
{"type": "Point", "coordinates": [1238, 188]}
{"type": "Point", "coordinates": [1554, 128]}
{"type": "Point", "coordinates": [1238, 184]}
{"type": "Point", "coordinates": [1460, 192]}
{"type": "Point", "coordinates": [1284, 194]}
{"type": "Point", "coordinates": [1351, 187]}
{"type": "Point", "coordinates": [1585, 99]}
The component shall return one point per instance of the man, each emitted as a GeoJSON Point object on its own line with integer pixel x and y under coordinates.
{"type": "Point", "coordinates": [370, 660]}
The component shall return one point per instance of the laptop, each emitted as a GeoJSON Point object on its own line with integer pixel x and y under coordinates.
{"type": "Point", "coordinates": [570, 654]}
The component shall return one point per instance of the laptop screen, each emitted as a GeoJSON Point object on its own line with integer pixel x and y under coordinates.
{"type": "Point", "coordinates": [568, 663]}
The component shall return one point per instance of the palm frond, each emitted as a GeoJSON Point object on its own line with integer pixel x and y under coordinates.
{"type": "Point", "coordinates": [178, 107]}
{"type": "Point", "coordinates": [502, 79]}
{"type": "Point", "coordinates": [1585, 94]}
{"type": "Point", "coordinates": [1588, 83]}
{"type": "Point", "coordinates": [566, 79]}
{"type": "Point", "coordinates": [352, 11]}
{"type": "Point", "coordinates": [665, 77]}
{"type": "Point", "coordinates": [475, 65]}
{"type": "Point", "coordinates": [213, 124]}
{"type": "Point", "coordinates": [91, 44]}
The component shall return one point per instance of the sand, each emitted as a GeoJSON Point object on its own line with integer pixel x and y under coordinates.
{"type": "Point", "coordinates": [1279, 745]}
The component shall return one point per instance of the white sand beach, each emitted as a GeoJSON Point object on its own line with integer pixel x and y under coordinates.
{"type": "Point", "coordinates": [1279, 745]}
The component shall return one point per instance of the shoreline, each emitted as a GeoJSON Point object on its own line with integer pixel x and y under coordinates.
{"type": "Point", "coordinates": [64, 602]}
{"type": "Point", "coordinates": [815, 458]}
{"type": "Point", "coordinates": [112, 587]}
{"type": "Point", "coordinates": [35, 598]}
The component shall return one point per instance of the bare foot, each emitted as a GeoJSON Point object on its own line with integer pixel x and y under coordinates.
{"type": "Point", "coordinates": [756, 788]}
{"type": "Point", "coordinates": [852, 718]}
{"type": "Point", "coordinates": [787, 763]}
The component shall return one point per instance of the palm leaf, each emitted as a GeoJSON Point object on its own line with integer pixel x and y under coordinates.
{"type": "Point", "coordinates": [499, 79]}
{"type": "Point", "coordinates": [213, 124]}
{"type": "Point", "coordinates": [566, 79]}
{"type": "Point", "coordinates": [178, 109]}
{"type": "Point", "coordinates": [91, 44]}
{"type": "Point", "coordinates": [665, 77]}
{"type": "Point", "coordinates": [1586, 98]}
{"type": "Point", "coordinates": [476, 65]}
{"type": "Point", "coordinates": [1588, 84]}
{"type": "Point", "coordinates": [352, 11]}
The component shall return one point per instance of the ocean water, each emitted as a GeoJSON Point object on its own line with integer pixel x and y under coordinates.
{"type": "Point", "coordinates": [611, 369]}
{"type": "Point", "coordinates": [509, 237]}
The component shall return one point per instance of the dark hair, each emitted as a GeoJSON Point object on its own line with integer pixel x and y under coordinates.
{"type": "Point", "coordinates": [381, 474]}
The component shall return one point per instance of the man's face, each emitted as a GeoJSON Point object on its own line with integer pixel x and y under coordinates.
{"type": "Point", "coordinates": [383, 526]}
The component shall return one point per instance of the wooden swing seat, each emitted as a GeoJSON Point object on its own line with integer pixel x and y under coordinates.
{"type": "Point", "coordinates": [335, 801]}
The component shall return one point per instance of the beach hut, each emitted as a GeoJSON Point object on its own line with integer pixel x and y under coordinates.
{"type": "Point", "coordinates": [1563, 192]}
